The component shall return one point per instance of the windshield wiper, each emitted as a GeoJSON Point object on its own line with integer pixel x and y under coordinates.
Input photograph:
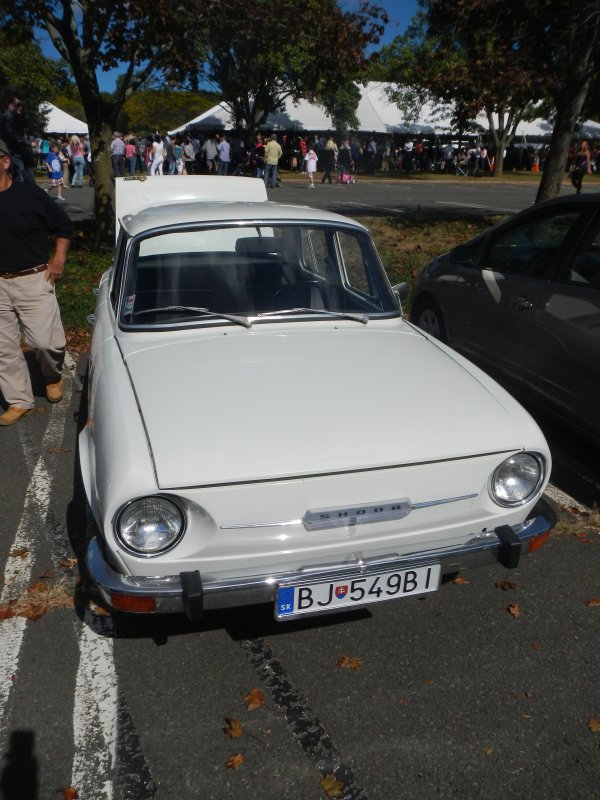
{"type": "Point", "coordinates": [193, 309]}
{"type": "Point", "coordinates": [339, 314]}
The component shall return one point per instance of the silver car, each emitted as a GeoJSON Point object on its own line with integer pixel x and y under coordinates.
{"type": "Point", "coordinates": [522, 300]}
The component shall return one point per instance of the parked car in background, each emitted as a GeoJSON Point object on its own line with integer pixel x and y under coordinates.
{"type": "Point", "coordinates": [265, 426]}
{"type": "Point", "coordinates": [522, 301]}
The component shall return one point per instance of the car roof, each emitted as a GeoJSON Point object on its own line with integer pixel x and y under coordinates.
{"type": "Point", "coordinates": [192, 212]}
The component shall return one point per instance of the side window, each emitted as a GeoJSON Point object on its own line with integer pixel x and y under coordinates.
{"type": "Point", "coordinates": [585, 269]}
{"type": "Point", "coordinates": [354, 263]}
{"type": "Point", "coordinates": [532, 247]}
{"type": "Point", "coordinates": [314, 251]}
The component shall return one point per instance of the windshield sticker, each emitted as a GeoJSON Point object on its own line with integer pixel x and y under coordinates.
{"type": "Point", "coordinates": [128, 306]}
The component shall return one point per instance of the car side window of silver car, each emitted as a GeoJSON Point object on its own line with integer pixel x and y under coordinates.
{"type": "Point", "coordinates": [532, 247]}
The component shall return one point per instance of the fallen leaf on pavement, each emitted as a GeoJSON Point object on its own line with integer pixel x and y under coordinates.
{"type": "Point", "coordinates": [20, 552]}
{"type": "Point", "coordinates": [594, 725]}
{"type": "Point", "coordinates": [6, 612]}
{"type": "Point", "coordinates": [461, 581]}
{"type": "Point", "coordinates": [68, 563]}
{"type": "Point", "coordinates": [514, 610]}
{"type": "Point", "coordinates": [233, 729]}
{"type": "Point", "coordinates": [332, 786]}
{"type": "Point", "coordinates": [350, 662]}
{"type": "Point", "coordinates": [536, 646]}
{"type": "Point", "coordinates": [235, 761]}
{"type": "Point", "coordinates": [254, 699]}
{"type": "Point", "coordinates": [506, 586]}
{"type": "Point", "coordinates": [593, 603]}
{"type": "Point", "coordinates": [39, 586]}
{"type": "Point", "coordinates": [70, 793]}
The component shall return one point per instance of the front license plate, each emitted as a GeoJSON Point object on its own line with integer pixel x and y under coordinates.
{"type": "Point", "coordinates": [293, 600]}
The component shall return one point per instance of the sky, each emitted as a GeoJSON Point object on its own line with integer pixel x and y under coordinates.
{"type": "Point", "coordinates": [400, 13]}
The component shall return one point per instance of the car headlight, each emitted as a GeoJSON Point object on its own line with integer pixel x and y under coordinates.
{"type": "Point", "coordinates": [150, 525]}
{"type": "Point", "coordinates": [517, 479]}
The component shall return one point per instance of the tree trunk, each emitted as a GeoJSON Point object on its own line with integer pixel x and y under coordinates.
{"type": "Point", "coordinates": [554, 166]}
{"type": "Point", "coordinates": [104, 190]}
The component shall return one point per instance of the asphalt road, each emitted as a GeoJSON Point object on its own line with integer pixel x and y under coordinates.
{"type": "Point", "coordinates": [453, 695]}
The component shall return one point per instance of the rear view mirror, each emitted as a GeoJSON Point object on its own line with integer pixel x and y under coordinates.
{"type": "Point", "coordinates": [462, 254]}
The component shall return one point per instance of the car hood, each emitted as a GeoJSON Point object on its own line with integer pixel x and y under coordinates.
{"type": "Point", "coordinates": [299, 399]}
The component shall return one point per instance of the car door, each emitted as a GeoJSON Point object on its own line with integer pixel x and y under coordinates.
{"type": "Point", "coordinates": [515, 267]}
{"type": "Point", "coordinates": [563, 356]}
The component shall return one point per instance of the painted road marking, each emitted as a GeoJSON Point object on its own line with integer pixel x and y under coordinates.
{"type": "Point", "coordinates": [17, 573]}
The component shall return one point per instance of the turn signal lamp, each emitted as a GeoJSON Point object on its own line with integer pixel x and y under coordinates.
{"type": "Point", "coordinates": [133, 603]}
{"type": "Point", "coordinates": [538, 541]}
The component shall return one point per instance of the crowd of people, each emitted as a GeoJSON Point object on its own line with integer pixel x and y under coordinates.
{"type": "Point", "coordinates": [66, 159]}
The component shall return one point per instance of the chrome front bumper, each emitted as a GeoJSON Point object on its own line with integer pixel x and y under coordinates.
{"type": "Point", "coordinates": [187, 593]}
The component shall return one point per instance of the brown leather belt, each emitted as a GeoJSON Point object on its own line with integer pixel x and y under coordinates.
{"type": "Point", "coordinates": [32, 271]}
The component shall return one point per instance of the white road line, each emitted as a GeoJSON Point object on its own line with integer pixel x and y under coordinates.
{"type": "Point", "coordinates": [17, 573]}
{"type": "Point", "coordinates": [95, 711]}
{"type": "Point", "coordinates": [474, 205]}
{"type": "Point", "coordinates": [376, 208]}
{"type": "Point", "coordinates": [564, 499]}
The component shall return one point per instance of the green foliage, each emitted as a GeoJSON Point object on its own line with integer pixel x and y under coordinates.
{"type": "Point", "coordinates": [262, 53]}
{"type": "Point", "coordinates": [27, 72]}
{"type": "Point", "coordinates": [162, 110]}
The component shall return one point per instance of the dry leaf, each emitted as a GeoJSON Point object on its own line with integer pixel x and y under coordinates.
{"type": "Point", "coordinates": [593, 603]}
{"type": "Point", "coordinates": [21, 552]}
{"type": "Point", "coordinates": [506, 586]}
{"type": "Point", "coordinates": [513, 695]}
{"type": "Point", "coordinates": [34, 612]}
{"type": "Point", "coordinates": [536, 646]}
{"type": "Point", "coordinates": [594, 725]}
{"type": "Point", "coordinates": [48, 575]}
{"type": "Point", "coordinates": [233, 729]}
{"type": "Point", "coordinates": [514, 610]}
{"type": "Point", "coordinates": [254, 699]}
{"type": "Point", "coordinates": [68, 563]}
{"type": "Point", "coordinates": [70, 793]}
{"type": "Point", "coordinates": [98, 610]}
{"type": "Point", "coordinates": [332, 786]}
{"type": "Point", "coordinates": [235, 761]}
{"type": "Point", "coordinates": [488, 750]}
{"type": "Point", "coordinates": [6, 612]}
{"type": "Point", "coordinates": [349, 662]}
{"type": "Point", "coordinates": [40, 586]}
{"type": "Point", "coordinates": [461, 581]}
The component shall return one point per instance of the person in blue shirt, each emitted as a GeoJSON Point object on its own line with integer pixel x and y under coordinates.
{"type": "Point", "coordinates": [55, 173]}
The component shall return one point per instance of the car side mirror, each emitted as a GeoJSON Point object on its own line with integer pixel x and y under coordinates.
{"type": "Point", "coordinates": [401, 291]}
{"type": "Point", "coordinates": [462, 254]}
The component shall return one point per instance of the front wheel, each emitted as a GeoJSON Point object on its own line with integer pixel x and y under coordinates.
{"type": "Point", "coordinates": [428, 316]}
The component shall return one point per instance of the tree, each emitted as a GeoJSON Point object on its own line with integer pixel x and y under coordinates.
{"type": "Point", "coordinates": [26, 71]}
{"type": "Point", "coordinates": [504, 55]}
{"type": "Point", "coordinates": [142, 36]}
{"type": "Point", "coordinates": [460, 55]}
{"type": "Point", "coordinates": [261, 54]}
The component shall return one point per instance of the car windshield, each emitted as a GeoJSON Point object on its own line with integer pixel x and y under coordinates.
{"type": "Point", "coordinates": [253, 271]}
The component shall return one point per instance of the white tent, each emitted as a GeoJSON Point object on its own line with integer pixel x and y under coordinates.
{"type": "Point", "coordinates": [60, 122]}
{"type": "Point", "coordinates": [376, 114]}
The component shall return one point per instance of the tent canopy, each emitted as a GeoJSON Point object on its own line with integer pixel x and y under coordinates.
{"type": "Point", "coordinates": [376, 114]}
{"type": "Point", "coordinates": [60, 122]}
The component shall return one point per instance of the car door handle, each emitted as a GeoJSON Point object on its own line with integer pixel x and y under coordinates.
{"type": "Point", "coordinates": [522, 302]}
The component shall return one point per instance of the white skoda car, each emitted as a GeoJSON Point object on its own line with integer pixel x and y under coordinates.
{"type": "Point", "coordinates": [265, 426]}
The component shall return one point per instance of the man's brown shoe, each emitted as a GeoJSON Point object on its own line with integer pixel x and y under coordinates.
{"type": "Point", "coordinates": [14, 414]}
{"type": "Point", "coordinates": [54, 391]}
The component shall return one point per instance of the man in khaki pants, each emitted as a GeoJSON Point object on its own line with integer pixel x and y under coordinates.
{"type": "Point", "coordinates": [27, 277]}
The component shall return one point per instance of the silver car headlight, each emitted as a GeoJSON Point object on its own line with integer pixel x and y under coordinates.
{"type": "Point", "coordinates": [517, 479]}
{"type": "Point", "coordinates": [150, 525]}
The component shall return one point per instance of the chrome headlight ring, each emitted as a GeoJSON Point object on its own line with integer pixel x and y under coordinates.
{"type": "Point", "coordinates": [517, 479]}
{"type": "Point", "coordinates": [149, 526]}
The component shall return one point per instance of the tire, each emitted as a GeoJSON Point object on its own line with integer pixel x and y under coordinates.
{"type": "Point", "coordinates": [428, 316]}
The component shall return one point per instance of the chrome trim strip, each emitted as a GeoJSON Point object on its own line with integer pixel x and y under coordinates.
{"type": "Point", "coordinates": [352, 515]}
